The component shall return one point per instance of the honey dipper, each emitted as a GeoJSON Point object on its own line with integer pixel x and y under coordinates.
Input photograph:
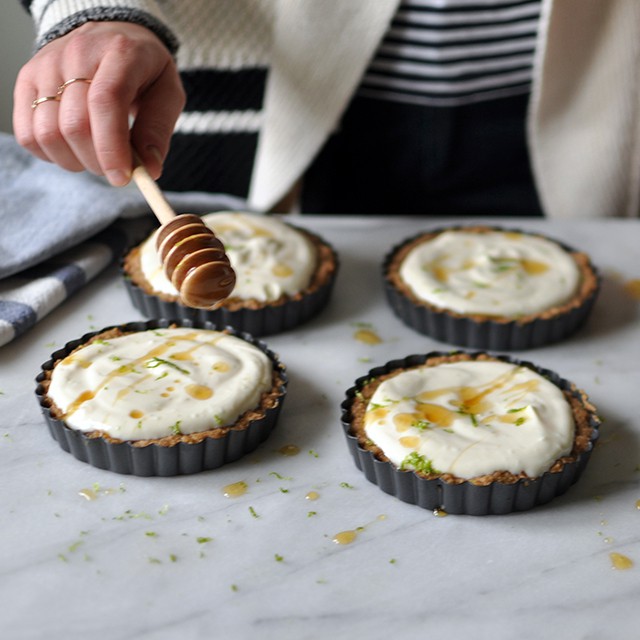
{"type": "Point", "coordinates": [193, 258]}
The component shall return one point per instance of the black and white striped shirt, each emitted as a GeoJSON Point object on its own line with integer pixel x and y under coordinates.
{"type": "Point", "coordinates": [454, 52]}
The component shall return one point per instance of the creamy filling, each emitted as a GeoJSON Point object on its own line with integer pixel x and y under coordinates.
{"type": "Point", "coordinates": [158, 383]}
{"type": "Point", "coordinates": [270, 258]}
{"type": "Point", "coordinates": [471, 418]}
{"type": "Point", "coordinates": [494, 273]}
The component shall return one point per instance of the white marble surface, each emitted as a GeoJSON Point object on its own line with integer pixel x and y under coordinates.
{"type": "Point", "coordinates": [132, 563]}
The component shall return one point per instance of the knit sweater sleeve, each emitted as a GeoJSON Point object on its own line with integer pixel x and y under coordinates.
{"type": "Point", "coordinates": [55, 18]}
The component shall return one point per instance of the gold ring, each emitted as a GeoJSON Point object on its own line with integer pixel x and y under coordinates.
{"type": "Point", "coordinates": [64, 85]}
{"type": "Point", "coordinates": [38, 101]}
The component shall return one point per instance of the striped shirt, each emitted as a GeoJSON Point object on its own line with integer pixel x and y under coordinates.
{"type": "Point", "coordinates": [444, 53]}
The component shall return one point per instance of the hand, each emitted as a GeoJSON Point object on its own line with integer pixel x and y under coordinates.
{"type": "Point", "coordinates": [132, 74]}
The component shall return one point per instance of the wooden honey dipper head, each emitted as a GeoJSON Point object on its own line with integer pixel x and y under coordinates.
{"type": "Point", "coordinates": [193, 258]}
{"type": "Point", "coordinates": [194, 261]}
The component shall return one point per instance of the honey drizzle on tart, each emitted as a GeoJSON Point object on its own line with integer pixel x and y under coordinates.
{"type": "Point", "coordinates": [408, 441]}
{"type": "Point", "coordinates": [134, 389]}
{"type": "Point", "coordinates": [492, 273]}
{"type": "Point", "coordinates": [270, 258]}
{"type": "Point", "coordinates": [431, 287]}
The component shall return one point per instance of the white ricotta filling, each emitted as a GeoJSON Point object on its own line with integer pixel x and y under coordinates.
{"type": "Point", "coordinates": [471, 418]}
{"type": "Point", "coordinates": [158, 383]}
{"type": "Point", "coordinates": [270, 258]}
{"type": "Point", "coordinates": [494, 273]}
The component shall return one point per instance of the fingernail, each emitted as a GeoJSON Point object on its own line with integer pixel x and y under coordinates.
{"type": "Point", "coordinates": [118, 178]}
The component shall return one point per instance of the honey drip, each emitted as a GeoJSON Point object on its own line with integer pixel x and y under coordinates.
{"type": "Point", "coordinates": [199, 392]}
{"type": "Point", "coordinates": [345, 537]}
{"type": "Point", "coordinates": [312, 495]}
{"type": "Point", "coordinates": [367, 336]}
{"type": "Point", "coordinates": [282, 270]}
{"type": "Point", "coordinates": [620, 561]}
{"type": "Point", "coordinates": [235, 490]}
{"type": "Point", "coordinates": [289, 450]}
{"type": "Point", "coordinates": [632, 287]}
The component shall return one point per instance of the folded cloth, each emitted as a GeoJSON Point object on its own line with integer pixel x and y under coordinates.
{"type": "Point", "coordinates": [58, 230]}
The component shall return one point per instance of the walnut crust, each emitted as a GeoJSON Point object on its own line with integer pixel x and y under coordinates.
{"type": "Point", "coordinates": [583, 412]}
{"type": "Point", "coordinates": [325, 269]}
{"type": "Point", "coordinates": [588, 280]}
{"type": "Point", "coordinates": [268, 400]}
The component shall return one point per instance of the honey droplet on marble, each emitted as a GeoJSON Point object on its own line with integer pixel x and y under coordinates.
{"type": "Point", "coordinates": [367, 336]}
{"type": "Point", "coordinates": [199, 392]}
{"type": "Point", "coordinates": [235, 490]}
{"type": "Point", "coordinates": [637, 504]}
{"type": "Point", "coordinates": [620, 561]}
{"type": "Point", "coordinates": [135, 414]}
{"type": "Point", "coordinates": [89, 494]}
{"type": "Point", "coordinates": [345, 537]}
{"type": "Point", "coordinates": [632, 288]}
{"type": "Point", "coordinates": [312, 495]}
{"type": "Point", "coordinates": [289, 450]}
{"type": "Point", "coordinates": [440, 513]}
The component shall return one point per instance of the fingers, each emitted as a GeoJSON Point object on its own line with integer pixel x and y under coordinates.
{"type": "Point", "coordinates": [88, 127]}
{"type": "Point", "coordinates": [158, 110]}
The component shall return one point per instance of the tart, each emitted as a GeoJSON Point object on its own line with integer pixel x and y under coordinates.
{"type": "Point", "coordinates": [160, 398]}
{"type": "Point", "coordinates": [490, 288]}
{"type": "Point", "coordinates": [469, 433]}
{"type": "Point", "coordinates": [284, 275]}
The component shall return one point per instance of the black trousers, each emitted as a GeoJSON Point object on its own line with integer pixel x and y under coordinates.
{"type": "Point", "coordinates": [392, 158]}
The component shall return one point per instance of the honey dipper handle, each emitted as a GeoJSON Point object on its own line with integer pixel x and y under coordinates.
{"type": "Point", "coordinates": [151, 192]}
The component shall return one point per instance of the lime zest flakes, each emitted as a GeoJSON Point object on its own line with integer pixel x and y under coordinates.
{"type": "Point", "coordinates": [310, 514]}
{"type": "Point", "coordinates": [154, 362]}
{"type": "Point", "coordinates": [164, 509]}
{"type": "Point", "coordinates": [278, 557]}
{"type": "Point", "coordinates": [252, 511]}
{"type": "Point", "coordinates": [346, 485]}
{"type": "Point", "coordinates": [283, 490]}
{"type": "Point", "coordinates": [203, 540]}
{"type": "Point", "coordinates": [416, 462]}
{"type": "Point", "coordinates": [518, 409]}
{"type": "Point", "coordinates": [313, 453]}
{"type": "Point", "coordinates": [151, 534]}
{"type": "Point", "coordinates": [234, 587]}
{"type": "Point", "coordinates": [520, 421]}
{"type": "Point", "coordinates": [154, 560]}
{"type": "Point", "coordinates": [275, 474]}
{"type": "Point", "coordinates": [175, 429]}
{"type": "Point", "coordinates": [421, 425]}
{"type": "Point", "coordinates": [173, 557]}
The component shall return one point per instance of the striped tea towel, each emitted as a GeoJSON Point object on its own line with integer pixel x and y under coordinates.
{"type": "Point", "coordinates": [58, 230]}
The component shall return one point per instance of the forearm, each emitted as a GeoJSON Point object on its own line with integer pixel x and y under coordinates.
{"type": "Point", "coordinates": [56, 18]}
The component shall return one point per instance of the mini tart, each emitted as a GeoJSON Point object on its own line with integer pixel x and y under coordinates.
{"type": "Point", "coordinates": [482, 418]}
{"type": "Point", "coordinates": [284, 276]}
{"type": "Point", "coordinates": [490, 288]}
{"type": "Point", "coordinates": [161, 398]}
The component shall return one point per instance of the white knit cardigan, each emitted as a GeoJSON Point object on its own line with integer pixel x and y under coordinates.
{"type": "Point", "coordinates": [584, 116]}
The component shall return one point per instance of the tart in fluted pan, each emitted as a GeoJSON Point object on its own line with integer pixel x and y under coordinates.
{"type": "Point", "coordinates": [490, 288]}
{"type": "Point", "coordinates": [284, 275]}
{"type": "Point", "coordinates": [469, 433]}
{"type": "Point", "coordinates": [160, 399]}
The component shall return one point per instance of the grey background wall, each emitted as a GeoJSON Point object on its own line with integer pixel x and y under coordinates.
{"type": "Point", "coordinates": [16, 46]}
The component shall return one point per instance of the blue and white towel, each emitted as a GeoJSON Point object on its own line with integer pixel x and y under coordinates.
{"type": "Point", "coordinates": [58, 230]}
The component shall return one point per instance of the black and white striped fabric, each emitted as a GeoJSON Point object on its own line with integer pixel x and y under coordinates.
{"type": "Point", "coordinates": [445, 53]}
